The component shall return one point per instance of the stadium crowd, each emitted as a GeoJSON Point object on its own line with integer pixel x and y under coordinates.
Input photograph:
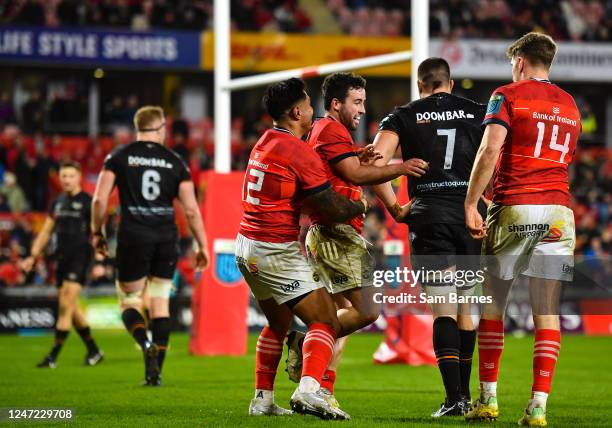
{"type": "Point", "coordinates": [573, 20]}
{"type": "Point", "coordinates": [588, 20]}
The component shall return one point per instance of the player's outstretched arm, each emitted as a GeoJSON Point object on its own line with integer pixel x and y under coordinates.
{"type": "Point", "coordinates": [482, 171]}
{"type": "Point", "coordinates": [333, 207]}
{"type": "Point", "coordinates": [350, 169]}
{"type": "Point", "coordinates": [40, 243]}
{"type": "Point", "coordinates": [190, 205]}
{"type": "Point", "coordinates": [99, 205]}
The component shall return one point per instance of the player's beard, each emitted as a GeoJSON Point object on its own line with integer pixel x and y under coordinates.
{"type": "Point", "coordinates": [347, 119]}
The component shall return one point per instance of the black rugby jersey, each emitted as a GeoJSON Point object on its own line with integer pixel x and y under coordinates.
{"type": "Point", "coordinates": [444, 130]}
{"type": "Point", "coordinates": [72, 216]}
{"type": "Point", "coordinates": [147, 176]}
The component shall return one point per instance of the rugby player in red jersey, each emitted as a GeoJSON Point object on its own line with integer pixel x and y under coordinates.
{"type": "Point", "coordinates": [338, 251]}
{"type": "Point", "coordinates": [283, 176]}
{"type": "Point", "coordinates": [532, 127]}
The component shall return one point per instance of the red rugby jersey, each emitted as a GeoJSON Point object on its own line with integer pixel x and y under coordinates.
{"type": "Point", "coordinates": [333, 143]}
{"type": "Point", "coordinates": [543, 125]}
{"type": "Point", "coordinates": [282, 170]}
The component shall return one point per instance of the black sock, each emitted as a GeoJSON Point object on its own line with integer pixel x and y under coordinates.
{"type": "Point", "coordinates": [85, 334]}
{"type": "Point", "coordinates": [161, 336]}
{"type": "Point", "coordinates": [135, 324]}
{"type": "Point", "coordinates": [60, 338]}
{"type": "Point", "coordinates": [446, 346]}
{"type": "Point", "coordinates": [466, 351]}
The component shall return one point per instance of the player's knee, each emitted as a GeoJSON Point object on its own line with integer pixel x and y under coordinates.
{"type": "Point", "coordinates": [159, 288]}
{"type": "Point", "coordinates": [129, 299]}
{"type": "Point", "coordinates": [65, 302]}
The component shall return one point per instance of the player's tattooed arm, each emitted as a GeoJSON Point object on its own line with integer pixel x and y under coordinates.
{"type": "Point", "coordinates": [334, 207]}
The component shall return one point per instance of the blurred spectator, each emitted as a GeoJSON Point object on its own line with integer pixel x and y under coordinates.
{"type": "Point", "coordinates": [13, 195]}
{"type": "Point", "coordinates": [43, 166]}
{"type": "Point", "coordinates": [24, 170]}
{"type": "Point", "coordinates": [588, 120]}
{"type": "Point", "coordinates": [33, 113]}
{"type": "Point", "coordinates": [7, 112]}
{"type": "Point", "coordinates": [29, 12]}
{"type": "Point", "coordinates": [113, 111]}
{"type": "Point", "coordinates": [180, 137]}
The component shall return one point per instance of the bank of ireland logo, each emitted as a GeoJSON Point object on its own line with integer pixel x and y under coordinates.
{"type": "Point", "coordinates": [556, 110]}
{"type": "Point", "coordinates": [226, 270]}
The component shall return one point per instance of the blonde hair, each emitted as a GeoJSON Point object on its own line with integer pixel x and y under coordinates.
{"type": "Point", "coordinates": [538, 48]}
{"type": "Point", "coordinates": [146, 116]}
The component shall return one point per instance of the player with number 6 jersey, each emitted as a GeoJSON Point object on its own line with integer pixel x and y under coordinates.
{"type": "Point", "coordinates": [532, 127]}
{"type": "Point", "coordinates": [149, 177]}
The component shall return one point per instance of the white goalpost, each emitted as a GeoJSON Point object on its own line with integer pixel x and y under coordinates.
{"type": "Point", "coordinates": [224, 84]}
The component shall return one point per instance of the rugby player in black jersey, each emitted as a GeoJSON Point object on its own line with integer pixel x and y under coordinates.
{"type": "Point", "coordinates": [444, 130]}
{"type": "Point", "coordinates": [69, 220]}
{"type": "Point", "coordinates": [149, 177]}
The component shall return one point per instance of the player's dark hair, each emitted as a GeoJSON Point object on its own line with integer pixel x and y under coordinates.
{"type": "Point", "coordinates": [538, 48]}
{"type": "Point", "coordinates": [280, 97]}
{"type": "Point", "coordinates": [337, 86]}
{"type": "Point", "coordinates": [70, 164]}
{"type": "Point", "coordinates": [434, 73]}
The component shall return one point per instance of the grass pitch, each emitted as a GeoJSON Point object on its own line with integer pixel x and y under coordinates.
{"type": "Point", "coordinates": [215, 391]}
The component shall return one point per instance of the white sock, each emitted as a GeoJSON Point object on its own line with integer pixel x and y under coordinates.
{"type": "Point", "coordinates": [538, 399]}
{"type": "Point", "coordinates": [488, 389]}
{"type": "Point", "coordinates": [308, 384]}
{"type": "Point", "coordinates": [265, 396]}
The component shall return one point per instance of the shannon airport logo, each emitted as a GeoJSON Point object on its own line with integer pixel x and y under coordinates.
{"type": "Point", "coordinates": [541, 230]}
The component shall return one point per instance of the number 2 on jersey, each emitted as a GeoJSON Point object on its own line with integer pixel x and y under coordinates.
{"type": "Point", "coordinates": [255, 186]}
{"type": "Point", "coordinates": [563, 148]}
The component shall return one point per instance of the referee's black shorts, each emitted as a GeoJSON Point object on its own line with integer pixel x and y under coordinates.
{"type": "Point", "coordinates": [438, 246]}
{"type": "Point", "coordinates": [73, 265]}
{"type": "Point", "coordinates": [137, 261]}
